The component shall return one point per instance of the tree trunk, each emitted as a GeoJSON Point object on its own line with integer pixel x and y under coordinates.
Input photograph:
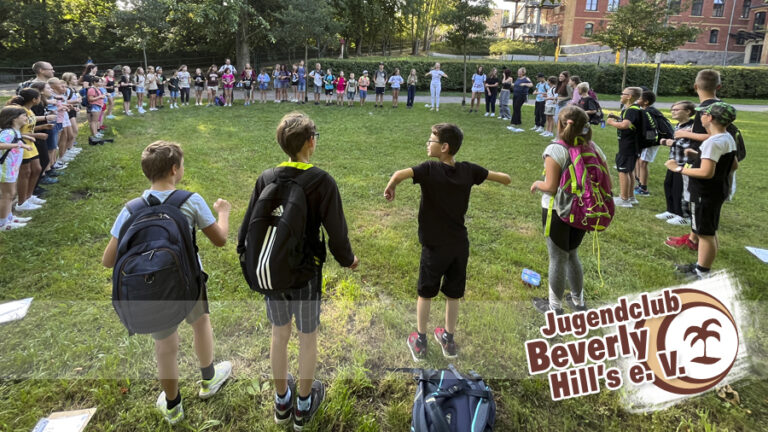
{"type": "Point", "coordinates": [624, 73]}
{"type": "Point", "coordinates": [242, 48]}
{"type": "Point", "coordinates": [359, 45]}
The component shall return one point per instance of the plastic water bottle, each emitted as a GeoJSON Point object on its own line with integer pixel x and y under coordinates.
{"type": "Point", "coordinates": [602, 124]}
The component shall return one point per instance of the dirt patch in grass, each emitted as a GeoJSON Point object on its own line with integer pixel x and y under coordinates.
{"type": "Point", "coordinates": [79, 194]}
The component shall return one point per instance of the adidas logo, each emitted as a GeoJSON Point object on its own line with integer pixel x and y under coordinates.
{"type": "Point", "coordinates": [278, 211]}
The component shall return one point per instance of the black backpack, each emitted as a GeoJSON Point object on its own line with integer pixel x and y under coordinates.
{"type": "Point", "coordinates": [664, 128]}
{"type": "Point", "coordinates": [647, 134]}
{"type": "Point", "coordinates": [447, 401]}
{"type": "Point", "coordinates": [274, 253]}
{"type": "Point", "coordinates": [588, 103]}
{"type": "Point", "coordinates": [741, 149]}
{"type": "Point", "coordinates": [157, 278]}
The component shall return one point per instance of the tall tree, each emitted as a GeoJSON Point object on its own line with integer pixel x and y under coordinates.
{"type": "Point", "coordinates": [305, 21]}
{"type": "Point", "coordinates": [642, 24]}
{"type": "Point", "coordinates": [467, 21]}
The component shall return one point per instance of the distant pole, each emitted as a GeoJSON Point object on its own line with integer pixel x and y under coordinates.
{"type": "Point", "coordinates": [658, 55]}
{"type": "Point", "coordinates": [728, 35]}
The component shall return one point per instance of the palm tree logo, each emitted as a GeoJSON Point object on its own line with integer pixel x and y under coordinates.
{"type": "Point", "coordinates": [702, 334]}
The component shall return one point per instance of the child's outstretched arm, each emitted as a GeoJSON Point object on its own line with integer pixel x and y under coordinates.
{"type": "Point", "coordinates": [499, 177]}
{"type": "Point", "coordinates": [110, 253]}
{"type": "Point", "coordinates": [217, 232]}
{"type": "Point", "coordinates": [397, 177]}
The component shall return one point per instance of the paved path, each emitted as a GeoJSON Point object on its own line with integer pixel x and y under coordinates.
{"type": "Point", "coordinates": [8, 90]}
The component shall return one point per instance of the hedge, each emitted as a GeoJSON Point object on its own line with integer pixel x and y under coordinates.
{"type": "Point", "coordinates": [738, 81]}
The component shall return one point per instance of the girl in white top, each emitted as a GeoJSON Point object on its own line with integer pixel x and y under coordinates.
{"type": "Point", "coordinates": [140, 81]}
{"type": "Point", "coordinates": [478, 88]}
{"type": "Point", "coordinates": [184, 84]}
{"type": "Point", "coordinates": [395, 81]}
{"type": "Point", "coordinates": [152, 88]}
{"type": "Point", "coordinates": [435, 87]}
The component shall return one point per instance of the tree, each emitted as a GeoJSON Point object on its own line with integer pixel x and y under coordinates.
{"type": "Point", "coordinates": [467, 22]}
{"type": "Point", "coordinates": [642, 24]}
{"type": "Point", "coordinates": [304, 21]}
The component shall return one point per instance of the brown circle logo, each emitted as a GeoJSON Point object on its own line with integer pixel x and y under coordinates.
{"type": "Point", "coordinates": [693, 350]}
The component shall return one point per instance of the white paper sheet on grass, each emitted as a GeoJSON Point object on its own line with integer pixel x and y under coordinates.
{"type": "Point", "coordinates": [66, 421]}
{"type": "Point", "coordinates": [14, 310]}
{"type": "Point", "coordinates": [761, 254]}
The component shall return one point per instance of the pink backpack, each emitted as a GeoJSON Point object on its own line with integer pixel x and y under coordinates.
{"type": "Point", "coordinates": [583, 199]}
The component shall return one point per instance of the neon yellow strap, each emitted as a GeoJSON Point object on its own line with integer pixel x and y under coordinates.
{"type": "Point", "coordinates": [549, 217]}
{"type": "Point", "coordinates": [297, 165]}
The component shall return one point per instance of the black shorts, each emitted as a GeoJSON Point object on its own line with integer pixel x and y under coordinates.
{"type": "Point", "coordinates": [380, 90]}
{"type": "Point", "coordinates": [303, 303]}
{"type": "Point", "coordinates": [160, 92]}
{"type": "Point", "coordinates": [26, 161]}
{"type": "Point", "coordinates": [152, 92]}
{"type": "Point", "coordinates": [126, 94]}
{"type": "Point", "coordinates": [705, 215]}
{"type": "Point", "coordinates": [563, 235]}
{"type": "Point", "coordinates": [328, 92]}
{"type": "Point", "coordinates": [625, 162]}
{"type": "Point", "coordinates": [446, 263]}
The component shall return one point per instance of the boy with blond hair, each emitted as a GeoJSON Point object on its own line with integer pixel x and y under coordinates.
{"type": "Point", "coordinates": [445, 188]}
{"type": "Point", "coordinates": [163, 164]}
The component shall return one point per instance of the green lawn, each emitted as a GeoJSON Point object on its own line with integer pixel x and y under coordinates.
{"type": "Point", "coordinates": [71, 352]}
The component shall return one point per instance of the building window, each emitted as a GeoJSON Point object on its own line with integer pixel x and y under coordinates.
{"type": "Point", "coordinates": [696, 7]}
{"type": "Point", "coordinates": [745, 8]}
{"type": "Point", "coordinates": [674, 7]}
{"type": "Point", "coordinates": [755, 54]}
{"type": "Point", "coordinates": [588, 29]}
{"type": "Point", "coordinates": [759, 22]}
{"type": "Point", "coordinates": [717, 8]}
{"type": "Point", "coordinates": [741, 38]}
{"type": "Point", "coordinates": [591, 5]}
{"type": "Point", "coordinates": [713, 34]}
{"type": "Point", "coordinates": [613, 5]}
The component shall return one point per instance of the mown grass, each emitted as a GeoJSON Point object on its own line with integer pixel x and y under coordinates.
{"type": "Point", "coordinates": [71, 352]}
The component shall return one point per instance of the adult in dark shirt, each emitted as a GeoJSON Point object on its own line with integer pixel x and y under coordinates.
{"type": "Point", "coordinates": [628, 126]}
{"type": "Point", "coordinates": [86, 80]}
{"type": "Point", "coordinates": [520, 91]}
{"type": "Point", "coordinates": [445, 187]}
{"type": "Point", "coordinates": [491, 90]}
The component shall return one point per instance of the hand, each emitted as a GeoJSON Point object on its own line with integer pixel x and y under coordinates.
{"type": "Point", "coordinates": [691, 153]}
{"type": "Point", "coordinates": [389, 193]}
{"type": "Point", "coordinates": [681, 134]}
{"type": "Point", "coordinates": [354, 264]}
{"type": "Point", "coordinates": [222, 206]}
{"type": "Point", "coordinates": [671, 164]}
{"type": "Point", "coordinates": [50, 118]}
{"type": "Point", "coordinates": [535, 186]}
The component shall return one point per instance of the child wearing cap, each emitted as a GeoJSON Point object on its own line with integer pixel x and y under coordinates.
{"type": "Point", "coordinates": [708, 184]}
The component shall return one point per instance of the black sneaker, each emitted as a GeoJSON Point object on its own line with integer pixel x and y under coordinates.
{"type": "Point", "coordinates": [284, 411]}
{"type": "Point", "coordinates": [302, 417]}
{"type": "Point", "coordinates": [52, 173]}
{"type": "Point", "coordinates": [449, 348]}
{"type": "Point", "coordinates": [542, 305]}
{"type": "Point", "coordinates": [572, 305]}
{"type": "Point", "coordinates": [689, 272]}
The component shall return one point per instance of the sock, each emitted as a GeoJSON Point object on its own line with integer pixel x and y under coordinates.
{"type": "Point", "coordinates": [304, 404]}
{"type": "Point", "coordinates": [701, 271]}
{"type": "Point", "coordinates": [208, 372]}
{"type": "Point", "coordinates": [447, 337]}
{"type": "Point", "coordinates": [171, 404]}
{"type": "Point", "coordinates": [282, 400]}
{"type": "Point", "coordinates": [422, 338]}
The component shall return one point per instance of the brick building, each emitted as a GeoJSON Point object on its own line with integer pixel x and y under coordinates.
{"type": "Point", "coordinates": [732, 31]}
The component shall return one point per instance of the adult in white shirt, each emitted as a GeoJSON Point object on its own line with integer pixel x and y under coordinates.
{"type": "Point", "coordinates": [435, 86]}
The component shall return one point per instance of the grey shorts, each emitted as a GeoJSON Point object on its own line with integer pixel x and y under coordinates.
{"type": "Point", "coordinates": [303, 303]}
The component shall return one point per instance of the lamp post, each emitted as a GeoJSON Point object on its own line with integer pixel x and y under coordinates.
{"type": "Point", "coordinates": [658, 55]}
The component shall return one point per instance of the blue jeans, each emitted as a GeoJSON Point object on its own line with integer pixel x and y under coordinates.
{"type": "Point", "coordinates": [411, 95]}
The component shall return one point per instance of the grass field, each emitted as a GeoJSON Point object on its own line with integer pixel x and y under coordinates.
{"type": "Point", "coordinates": [71, 352]}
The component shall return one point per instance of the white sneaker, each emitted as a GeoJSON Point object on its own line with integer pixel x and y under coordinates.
{"type": "Point", "coordinates": [110, 117]}
{"type": "Point", "coordinates": [153, 109]}
{"type": "Point", "coordinates": [619, 202]}
{"type": "Point", "coordinates": [222, 372]}
{"type": "Point", "coordinates": [679, 220]}
{"type": "Point", "coordinates": [59, 166]}
{"type": "Point", "coordinates": [27, 206]}
{"type": "Point", "coordinates": [493, 114]}
{"type": "Point", "coordinates": [634, 201]}
{"type": "Point", "coordinates": [512, 128]}
{"type": "Point", "coordinates": [535, 128]}
{"type": "Point", "coordinates": [8, 226]}
{"type": "Point", "coordinates": [18, 220]}
{"type": "Point", "coordinates": [486, 114]}
{"type": "Point", "coordinates": [665, 216]}
{"type": "Point", "coordinates": [427, 106]}
{"type": "Point", "coordinates": [128, 113]}
{"type": "Point", "coordinates": [35, 200]}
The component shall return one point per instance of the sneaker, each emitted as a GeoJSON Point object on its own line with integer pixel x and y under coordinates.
{"type": "Point", "coordinates": [283, 412]}
{"type": "Point", "coordinates": [52, 173]}
{"type": "Point", "coordinates": [676, 242]}
{"type": "Point", "coordinates": [437, 109]}
{"type": "Point", "coordinates": [110, 117]}
{"type": "Point", "coordinates": [172, 416]}
{"type": "Point", "coordinates": [666, 216]}
{"type": "Point", "coordinates": [60, 166]}
{"type": "Point", "coordinates": [535, 128]}
{"type": "Point", "coordinates": [493, 115]}
{"type": "Point", "coordinates": [9, 226]}
{"type": "Point", "coordinates": [689, 272]}
{"type": "Point", "coordinates": [484, 115]}
{"type": "Point", "coordinates": [449, 348]}
{"type": "Point", "coordinates": [542, 305]}
{"type": "Point", "coordinates": [128, 113]}
{"type": "Point", "coordinates": [19, 220]}
{"type": "Point", "coordinates": [641, 192]}
{"type": "Point", "coordinates": [417, 349]}
{"type": "Point", "coordinates": [634, 201]}
{"type": "Point", "coordinates": [620, 202]}
{"type": "Point", "coordinates": [691, 245]}
{"type": "Point", "coordinates": [49, 180]}
{"type": "Point", "coordinates": [572, 305]}
{"type": "Point", "coordinates": [302, 417]}
{"type": "Point", "coordinates": [208, 388]}
{"type": "Point", "coordinates": [35, 200]}
{"type": "Point", "coordinates": [679, 220]}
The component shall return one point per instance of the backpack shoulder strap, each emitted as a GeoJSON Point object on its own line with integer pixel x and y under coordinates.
{"type": "Point", "coordinates": [178, 197]}
{"type": "Point", "coordinates": [136, 204]}
{"type": "Point", "coordinates": [308, 177]}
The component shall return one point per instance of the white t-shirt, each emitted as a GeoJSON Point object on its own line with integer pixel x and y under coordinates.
{"type": "Point", "coordinates": [478, 81]}
{"type": "Point", "coordinates": [717, 145]}
{"type": "Point", "coordinates": [317, 75]}
{"type": "Point", "coordinates": [231, 68]}
{"type": "Point", "coordinates": [396, 80]}
{"type": "Point", "coordinates": [194, 209]}
{"type": "Point", "coordinates": [560, 155]}
{"type": "Point", "coordinates": [184, 79]}
{"type": "Point", "coordinates": [436, 75]}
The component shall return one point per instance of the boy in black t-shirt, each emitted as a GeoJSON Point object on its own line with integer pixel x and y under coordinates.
{"type": "Point", "coordinates": [708, 184]}
{"type": "Point", "coordinates": [445, 187]}
{"type": "Point", "coordinates": [628, 126]}
{"type": "Point", "coordinates": [297, 137]}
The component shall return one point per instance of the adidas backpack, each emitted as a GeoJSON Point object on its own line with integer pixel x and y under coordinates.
{"type": "Point", "coordinates": [664, 128]}
{"type": "Point", "coordinates": [274, 254]}
{"type": "Point", "coordinates": [583, 199]}
{"type": "Point", "coordinates": [647, 134]}
{"type": "Point", "coordinates": [157, 277]}
{"type": "Point", "coordinates": [447, 401]}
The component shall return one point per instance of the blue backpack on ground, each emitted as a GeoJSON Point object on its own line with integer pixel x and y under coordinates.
{"type": "Point", "coordinates": [157, 278]}
{"type": "Point", "coordinates": [219, 101]}
{"type": "Point", "coordinates": [447, 401]}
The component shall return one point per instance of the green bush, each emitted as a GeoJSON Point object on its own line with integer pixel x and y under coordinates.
{"type": "Point", "coordinates": [509, 46]}
{"type": "Point", "coordinates": [738, 81]}
{"type": "Point", "coordinates": [479, 48]}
